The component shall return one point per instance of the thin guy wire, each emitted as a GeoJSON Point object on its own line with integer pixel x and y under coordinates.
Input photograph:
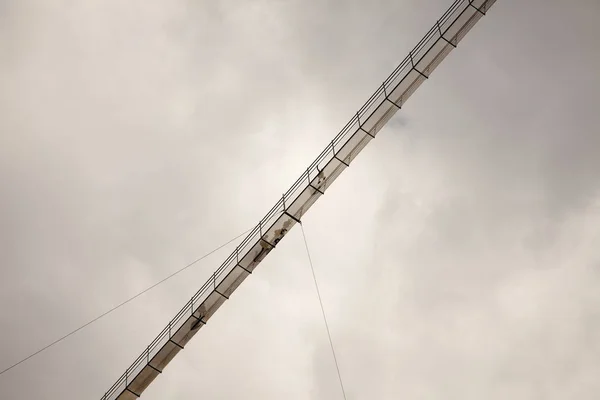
{"type": "Point", "coordinates": [337, 367]}
{"type": "Point", "coordinates": [122, 304]}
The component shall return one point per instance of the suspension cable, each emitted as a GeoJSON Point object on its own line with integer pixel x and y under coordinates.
{"type": "Point", "coordinates": [121, 304]}
{"type": "Point", "coordinates": [337, 367]}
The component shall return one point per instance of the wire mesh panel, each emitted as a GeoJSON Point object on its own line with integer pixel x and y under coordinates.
{"type": "Point", "coordinates": [143, 379]}
{"type": "Point", "coordinates": [434, 56]}
{"type": "Point", "coordinates": [231, 282]}
{"type": "Point", "coordinates": [165, 354]}
{"type": "Point", "coordinates": [189, 328]}
{"type": "Point", "coordinates": [210, 305]}
{"type": "Point", "coordinates": [348, 152]}
{"type": "Point", "coordinates": [280, 227]}
{"type": "Point", "coordinates": [126, 395]}
{"type": "Point", "coordinates": [380, 114]}
{"type": "Point", "coordinates": [313, 183]}
{"type": "Point", "coordinates": [256, 254]}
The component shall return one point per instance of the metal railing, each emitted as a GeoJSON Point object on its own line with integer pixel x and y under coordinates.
{"type": "Point", "coordinates": [436, 33]}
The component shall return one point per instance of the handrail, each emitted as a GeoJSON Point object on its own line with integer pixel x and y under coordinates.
{"type": "Point", "coordinates": [405, 67]}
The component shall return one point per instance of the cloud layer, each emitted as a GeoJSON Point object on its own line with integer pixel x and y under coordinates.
{"type": "Point", "coordinates": [457, 258]}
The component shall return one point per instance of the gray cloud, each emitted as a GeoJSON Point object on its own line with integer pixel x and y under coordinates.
{"type": "Point", "coordinates": [457, 257]}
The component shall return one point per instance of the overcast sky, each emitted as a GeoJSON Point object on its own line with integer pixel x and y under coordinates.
{"type": "Point", "coordinates": [458, 258]}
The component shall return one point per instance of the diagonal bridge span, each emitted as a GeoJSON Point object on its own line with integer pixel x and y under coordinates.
{"type": "Point", "coordinates": [363, 127]}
